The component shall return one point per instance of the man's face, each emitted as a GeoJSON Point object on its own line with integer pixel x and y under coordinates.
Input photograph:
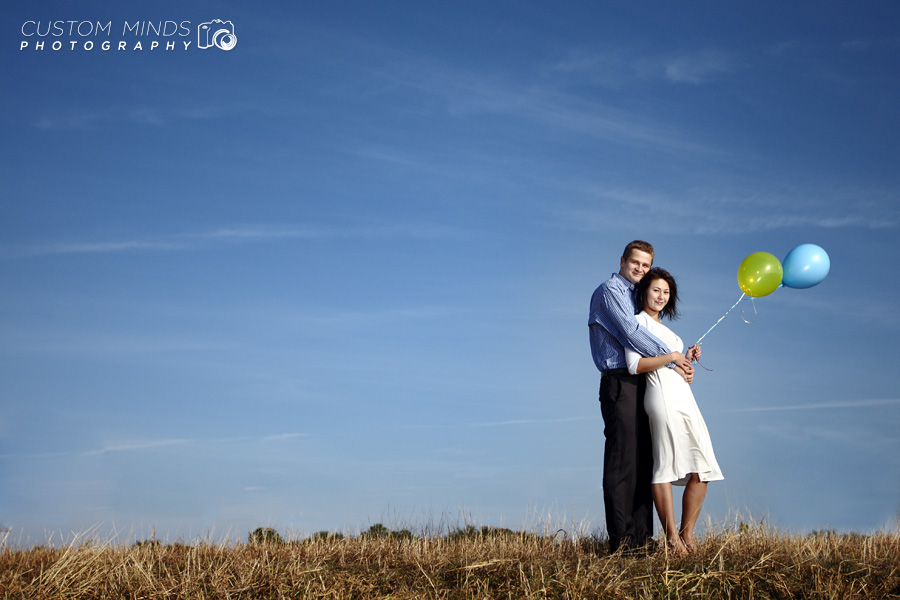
{"type": "Point", "coordinates": [635, 266]}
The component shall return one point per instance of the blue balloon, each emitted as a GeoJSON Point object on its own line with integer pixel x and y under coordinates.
{"type": "Point", "coordinates": [805, 266]}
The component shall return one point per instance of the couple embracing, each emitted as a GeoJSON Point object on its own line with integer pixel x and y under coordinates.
{"type": "Point", "coordinates": [655, 434]}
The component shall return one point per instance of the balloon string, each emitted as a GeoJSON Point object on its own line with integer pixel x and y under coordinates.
{"type": "Point", "coordinates": [697, 360]}
{"type": "Point", "coordinates": [720, 320]}
{"type": "Point", "coordinates": [755, 315]}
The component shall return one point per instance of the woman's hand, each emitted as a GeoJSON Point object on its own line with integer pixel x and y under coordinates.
{"type": "Point", "coordinates": [693, 353]}
{"type": "Point", "coordinates": [688, 378]}
{"type": "Point", "coordinates": [682, 361]}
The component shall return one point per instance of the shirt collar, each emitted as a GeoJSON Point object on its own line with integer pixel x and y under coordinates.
{"type": "Point", "coordinates": [624, 281]}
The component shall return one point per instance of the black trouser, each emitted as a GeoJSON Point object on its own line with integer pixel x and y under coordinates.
{"type": "Point", "coordinates": [627, 460]}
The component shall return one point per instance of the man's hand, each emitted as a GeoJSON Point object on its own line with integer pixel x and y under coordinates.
{"type": "Point", "coordinates": [693, 353]}
{"type": "Point", "coordinates": [687, 378]}
{"type": "Point", "coordinates": [682, 361]}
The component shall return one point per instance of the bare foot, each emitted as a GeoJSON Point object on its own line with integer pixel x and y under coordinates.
{"type": "Point", "coordinates": [688, 542]}
{"type": "Point", "coordinates": [676, 546]}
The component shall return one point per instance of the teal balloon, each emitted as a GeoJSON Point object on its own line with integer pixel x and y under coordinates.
{"type": "Point", "coordinates": [805, 266]}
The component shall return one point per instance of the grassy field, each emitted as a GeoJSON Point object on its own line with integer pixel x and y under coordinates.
{"type": "Point", "coordinates": [466, 563]}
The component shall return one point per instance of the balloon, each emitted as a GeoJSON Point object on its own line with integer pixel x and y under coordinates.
{"type": "Point", "coordinates": [805, 266]}
{"type": "Point", "coordinates": [759, 274]}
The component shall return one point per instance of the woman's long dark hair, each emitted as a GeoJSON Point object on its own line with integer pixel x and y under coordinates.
{"type": "Point", "coordinates": [670, 310]}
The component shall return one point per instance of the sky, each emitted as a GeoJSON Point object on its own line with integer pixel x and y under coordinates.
{"type": "Point", "coordinates": [340, 273]}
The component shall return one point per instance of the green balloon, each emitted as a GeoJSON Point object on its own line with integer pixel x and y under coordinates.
{"type": "Point", "coordinates": [759, 274]}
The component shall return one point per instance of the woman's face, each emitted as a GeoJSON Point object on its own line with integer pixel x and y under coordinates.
{"type": "Point", "coordinates": [657, 295]}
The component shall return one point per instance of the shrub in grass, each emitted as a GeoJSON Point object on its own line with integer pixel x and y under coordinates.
{"type": "Point", "coordinates": [265, 535]}
{"type": "Point", "coordinates": [380, 531]}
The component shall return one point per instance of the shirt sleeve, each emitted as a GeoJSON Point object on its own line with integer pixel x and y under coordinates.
{"type": "Point", "coordinates": [632, 359]}
{"type": "Point", "coordinates": [617, 316]}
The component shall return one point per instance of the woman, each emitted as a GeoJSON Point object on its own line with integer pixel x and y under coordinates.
{"type": "Point", "coordinates": [682, 451]}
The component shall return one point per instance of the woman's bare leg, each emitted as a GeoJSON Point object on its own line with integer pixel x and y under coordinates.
{"type": "Point", "coordinates": [665, 508]}
{"type": "Point", "coordinates": [691, 502]}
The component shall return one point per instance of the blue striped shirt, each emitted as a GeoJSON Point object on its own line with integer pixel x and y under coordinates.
{"type": "Point", "coordinates": [613, 326]}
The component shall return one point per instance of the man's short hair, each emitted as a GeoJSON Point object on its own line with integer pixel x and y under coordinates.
{"type": "Point", "coordinates": [637, 245]}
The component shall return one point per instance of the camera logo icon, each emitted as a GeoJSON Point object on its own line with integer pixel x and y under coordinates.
{"type": "Point", "coordinates": [216, 33]}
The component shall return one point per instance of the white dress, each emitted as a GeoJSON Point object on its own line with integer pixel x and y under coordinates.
{"type": "Point", "coordinates": [681, 443]}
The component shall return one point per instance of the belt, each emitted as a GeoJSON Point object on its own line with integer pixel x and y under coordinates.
{"type": "Point", "coordinates": [616, 372]}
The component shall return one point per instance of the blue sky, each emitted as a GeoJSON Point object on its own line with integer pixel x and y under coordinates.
{"type": "Point", "coordinates": [340, 274]}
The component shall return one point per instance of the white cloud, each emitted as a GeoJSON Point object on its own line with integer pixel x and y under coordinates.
{"type": "Point", "coordinates": [250, 233]}
{"type": "Point", "coordinates": [150, 445]}
{"type": "Point", "coordinates": [283, 436]}
{"type": "Point", "coordinates": [620, 67]}
{"type": "Point", "coordinates": [824, 405]}
{"type": "Point", "coordinates": [546, 106]}
{"type": "Point", "coordinates": [696, 68]}
{"type": "Point", "coordinates": [714, 211]}
{"type": "Point", "coordinates": [103, 247]}
{"type": "Point", "coordinates": [134, 446]}
{"type": "Point", "coordinates": [140, 115]}
{"type": "Point", "coordinates": [532, 421]}
{"type": "Point", "coordinates": [238, 234]}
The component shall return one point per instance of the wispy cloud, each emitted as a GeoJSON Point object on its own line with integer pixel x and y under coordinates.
{"type": "Point", "coordinates": [172, 241]}
{"type": "Point", "coordinates": [797, 434]}
{"type": "Point", "coordinates": [621, 67]}
{"type": "Point", "coordinates": [696, 68]}
{"type": "Point", "coordinates": [239, 234]}
{"type": "Point", "coordinates": [101, 247]}
{"type": "Point", "coordinates": [824, 405]}
{"type": "Point", "coordinates": [136, 115]}
{"type": "Point", "coordinates": [88, 119]}
{"type": "Point", "coordinates": [609, 67]}
{"type": "Point", "coordinates": [250, 233]}
{"type": "Point", "coordinates": [150, 445]}
{"type": "Point", "coordinates": [330, 319]}
{"type": "Point", "coordinates": [85, 343]}
{"type": "Point", "coordinates": [135, 446]}
{"type": "Point", "coordinates": [543, 105]}
{"type": "Point", "coordinates": [283, 436]}
{"type": "Point", "coordinates": [531, 421]}
{"type": "Point", "coordinates": [729, 211]}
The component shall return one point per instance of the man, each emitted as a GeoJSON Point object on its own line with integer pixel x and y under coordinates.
{"type": "Point", "coordinates": [628, 454]}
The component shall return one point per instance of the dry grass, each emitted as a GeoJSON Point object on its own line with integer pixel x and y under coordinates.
{"type": "Point", "coordinates": [741, 564]}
